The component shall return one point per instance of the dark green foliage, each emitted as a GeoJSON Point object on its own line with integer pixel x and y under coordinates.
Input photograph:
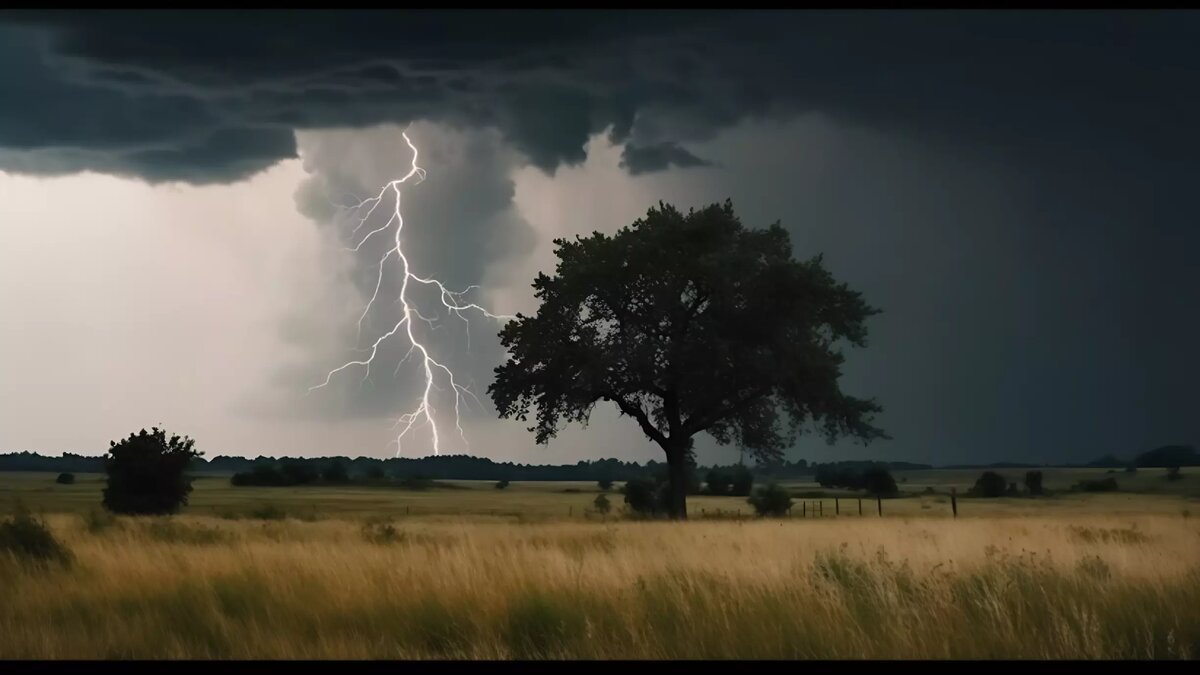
{"type": "Point", "coordinates": [878, 481]}
{"type": "Point", "coordinates": [771, 500]}
{"type": "Point", "coordinates": [146, 473]}
{"type": "Point", "coordinates": [1103, 485]}
{"type": "Point", "coordinates": [1012, 490]}
{"type": "Point", "coordinates": [741, 481]}
{"type": "Point", "coordinates": [336, 472]}
{"type": "Point", "coordinates": [1174, 474]}
{"type": "Point", "coordinates": [644, 496]}
{"type": "Point", "coordinates": [718, 481]}
{"type": "Point", "coordinates": [1168, 456]}
{"type": "Point", "coordinates": [688, 323]}
{"type": "Point", "coordinates": [604, 483]}
{"type": "Point", "coordinates": [65, 479]}
{"type": "Point", "coordinates": [990, 484]}
{"type": "Point", "coordinates": [500, 485]}
{"type": "Point", "coordinates": [873, 477]}
{"type": "Point", "coordinates": [28, 539]}
{"type": "Point", "coordinates": [415, 483]}
{"type": "Point", "coordinates": [1033, 482]}
{"type": "Point", "coordinates": [601, 504]}
{"type": "Point", "coordinates": [438, 467]}
{"type": "Point", "coordinates": [260, 475]}
{"type": "Point", "coordinates": [296, 472]}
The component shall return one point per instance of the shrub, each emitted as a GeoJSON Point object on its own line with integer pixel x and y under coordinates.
{"type": "Point", "coordinates": [1012, 490]}
{"type": "Point", "coordinates": [741, 481]}
{"type": "Point", "coordinates": [604, 483]}
{"type": "Point", "coordinates": [146, 473]}
{"type": "Point", "coordinates": [771, 501]}
{"type": "Point", "coordinates": [28, 539]}
{"type": "Point", "coordinates": [990, 484]}
{"type": "Point", "coordinates": [1173, 473]}
{"type": "Point", "coordinates": [879, 481]}
{"type": "Point", "coordinates": [718, 482]}
{"type": "Point", "coordinates": [644, 496]}
{"type": "Point", "coordinates": [65, 479]}
{"type": "Point", "coordinates": [1033, 482]}
{"type": "Point", "coordinates": [602, 505]}
{"type": "Point", "coordinates": [1104, 485]}
{"type": "Point", "coordinates": [501, 484]}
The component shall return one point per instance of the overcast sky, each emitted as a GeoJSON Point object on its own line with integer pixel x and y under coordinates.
{"type": "Point", "coordinates": [1015, 191]}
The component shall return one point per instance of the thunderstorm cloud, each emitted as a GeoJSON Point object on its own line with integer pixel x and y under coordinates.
{"type": "Point", "coordinates": [1014, 190]}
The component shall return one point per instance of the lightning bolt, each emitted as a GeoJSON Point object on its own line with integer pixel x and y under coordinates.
{"type": "Point", "coordinates": [453, 301]}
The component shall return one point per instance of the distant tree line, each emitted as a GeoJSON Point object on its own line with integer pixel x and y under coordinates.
{"type": "Point", "coordinates": [295, 471]}
{"type": "Point", "coordinates": [874, 478]}
{"type": "Point", "coordinates": [1165, 457]}
{"type": "Point", "coordinates": [265, 470]}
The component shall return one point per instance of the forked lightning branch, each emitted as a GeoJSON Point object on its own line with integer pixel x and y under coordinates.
{"type": "Point", "coordinates": [423, 414]}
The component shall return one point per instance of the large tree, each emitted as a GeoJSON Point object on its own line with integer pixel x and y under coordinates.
{"type": "Point", "coordinates": [688, 323]}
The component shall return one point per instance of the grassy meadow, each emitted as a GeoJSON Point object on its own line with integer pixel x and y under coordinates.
{"type": "Point", "coordinates": [475, 572]}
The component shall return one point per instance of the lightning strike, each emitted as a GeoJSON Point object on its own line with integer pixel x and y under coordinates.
{"type": "Point", "coordinates": [454, 303]}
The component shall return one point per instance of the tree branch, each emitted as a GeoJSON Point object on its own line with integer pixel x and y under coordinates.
{"type": "Point", "coordinates": [638, 414]}
{"type": "Point", "coordinates": [692, 426]}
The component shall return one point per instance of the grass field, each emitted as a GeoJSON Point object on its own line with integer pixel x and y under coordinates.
{"type": "Point", "coordinates": [482, 573]}
{"type": "Point", "coordinates": [1146, 492]}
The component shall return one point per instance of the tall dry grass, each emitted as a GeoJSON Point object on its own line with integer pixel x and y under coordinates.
{"type": "Point", "coordinates": [190, 587]}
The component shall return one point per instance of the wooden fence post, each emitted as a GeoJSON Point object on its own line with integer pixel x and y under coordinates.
{"type": "Point", "coordinates": [879, 503]}
{"type": "Point", "coordinates": [860, 506]}
{"type": "Point", "coordinates": [837, 510]}
{"type": "Point", "coordinates": [821, 504]}
{"type": "Point", "coordinates": [803, 509]}
{"type": "Point", "coordinates": [954, 501]}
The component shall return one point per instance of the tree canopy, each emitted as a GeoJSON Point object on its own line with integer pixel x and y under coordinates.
{"type": "Point", "coordinates": [688, 323]}
{"type": "Point", "coordinates": [146, 473]}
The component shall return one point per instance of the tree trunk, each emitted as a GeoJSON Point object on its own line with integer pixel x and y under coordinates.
{"type": "Point", "coordinates": [677, 489]}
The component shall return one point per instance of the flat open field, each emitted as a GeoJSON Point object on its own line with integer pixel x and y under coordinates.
{"type": "Point", "coordinates": [1146, 492]}
{"type": "Point", "coordinates": [477, 572]}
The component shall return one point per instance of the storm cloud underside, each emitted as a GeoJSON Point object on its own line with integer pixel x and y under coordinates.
{"type": "Point", "coordinates": [1013, 190]}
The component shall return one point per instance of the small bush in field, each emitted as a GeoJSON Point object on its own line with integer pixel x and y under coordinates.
{"type": "Point", "coordinates": [28, 539]}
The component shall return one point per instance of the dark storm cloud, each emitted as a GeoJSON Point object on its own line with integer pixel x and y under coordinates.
{"type": "Point", "coordinates": [1028, 177]}
{"type": "Point", "coordinates": [657, 157]}
{"type": "Point", "coordinates": [1069, 89]}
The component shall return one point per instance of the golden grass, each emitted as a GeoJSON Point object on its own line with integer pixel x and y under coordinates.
{"type": "Point", "coordinates": [200, 587]}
